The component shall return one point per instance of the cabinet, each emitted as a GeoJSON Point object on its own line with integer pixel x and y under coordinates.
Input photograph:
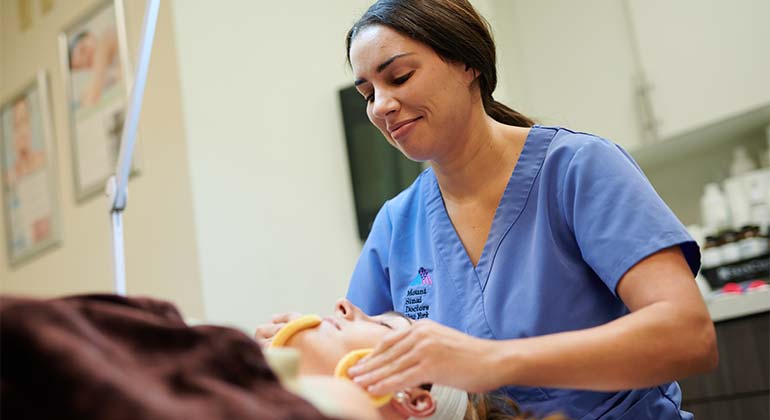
{"type": "Point", "coordinates": [572, 64]}
{"type": "Point", "coordinates": [740, 388]}
{"type": "Point", "coordinates": [583, 64]}
{"type": "Point", "coordinates": [705, 60]}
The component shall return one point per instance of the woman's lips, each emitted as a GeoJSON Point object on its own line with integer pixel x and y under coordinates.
{"type": "Point", "coordinates": [403, 130]}
{"type": "Point", "coordinates": [333, 322]}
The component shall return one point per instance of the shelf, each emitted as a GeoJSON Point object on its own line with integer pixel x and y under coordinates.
{"type": "Point", "coordinates": [703, 138]}
{"type": "Point", "coordinates": [734, 306]}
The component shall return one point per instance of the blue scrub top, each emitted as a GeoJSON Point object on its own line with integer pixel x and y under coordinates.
{"type": "Point", "coordinates": [577, 213]}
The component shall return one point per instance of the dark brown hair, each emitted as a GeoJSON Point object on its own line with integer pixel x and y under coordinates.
{"type": "Point", "coordinates": [498, 407]}
{"type": "Point", "coordinates": [455, 31]}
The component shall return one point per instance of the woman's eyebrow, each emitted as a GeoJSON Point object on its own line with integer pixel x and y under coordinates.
{"type": "Point", "coordinates": [382, 67]}
{"type": "Point", "coordinates": [398, 314]}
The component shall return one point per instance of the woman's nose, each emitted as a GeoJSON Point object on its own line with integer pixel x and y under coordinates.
{"type": "Point", "coordinates": [344, 309]}
{"type": "Point", "coordinates": [384, 104]}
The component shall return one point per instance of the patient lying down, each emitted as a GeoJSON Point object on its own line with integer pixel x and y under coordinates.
{"type": "Point", "coordinates": [330, 345]}
{"type": "Point", "coordinates": [110, 357]}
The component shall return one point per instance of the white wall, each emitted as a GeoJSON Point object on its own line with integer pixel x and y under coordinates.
{"type": "Point", "coordinates": [546, 46]}
{"type": "Point", "coordinates": [273, 204]}
{"type": "Point", "coordinates": [160, 240]}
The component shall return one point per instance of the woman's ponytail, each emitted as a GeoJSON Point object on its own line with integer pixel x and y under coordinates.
{"type": "Point", "coordinates": [502, 113]}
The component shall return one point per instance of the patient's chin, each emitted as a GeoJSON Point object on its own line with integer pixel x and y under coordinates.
{"type": "Point", "coordinates": [317, 355]}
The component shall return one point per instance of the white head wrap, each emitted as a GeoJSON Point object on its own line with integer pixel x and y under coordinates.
{"type": "Point", "coordinates": [451, 403]}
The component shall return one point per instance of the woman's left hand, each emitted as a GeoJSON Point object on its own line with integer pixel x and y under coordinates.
{"type": "Point", "coordinates": [427, 352]}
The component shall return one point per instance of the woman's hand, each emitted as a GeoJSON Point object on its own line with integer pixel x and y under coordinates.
{"type": "Point", "coordinates": [265, 332]}
{"type": "Point", "coordinates": [427, 352]}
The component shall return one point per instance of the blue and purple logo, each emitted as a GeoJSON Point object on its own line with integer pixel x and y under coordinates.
{"type": "Point", "coordinates": [422, 278]}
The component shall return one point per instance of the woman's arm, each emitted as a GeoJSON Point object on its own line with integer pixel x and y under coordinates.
{"type": "Point", "coordinates": [667, 335]}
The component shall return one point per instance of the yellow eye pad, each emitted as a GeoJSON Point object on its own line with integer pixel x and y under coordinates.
{"type": "Point", "coordinates": [350, 359]}
{"type": "Point", "coordinates": [293, 327]}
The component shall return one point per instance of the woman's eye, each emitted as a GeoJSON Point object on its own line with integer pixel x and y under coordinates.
{"type": "Point", "coordinates": [385, 325]}
{"type": "Point", "coordinates": [404, 78]}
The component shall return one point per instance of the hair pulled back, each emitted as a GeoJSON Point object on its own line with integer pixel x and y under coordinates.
{"type": "Point", "coordinates": [455, 31]}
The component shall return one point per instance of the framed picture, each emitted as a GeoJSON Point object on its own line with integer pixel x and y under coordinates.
{"type": "Point", "coordinates": [94, 60]}
{"type": "Point", "coordinates": [27, 164]}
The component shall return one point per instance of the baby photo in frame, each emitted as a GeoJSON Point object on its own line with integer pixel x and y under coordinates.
{"type": "Point", "coordinates": [27, 162]}
{"type": "Point", "coordinates": [96, 74]}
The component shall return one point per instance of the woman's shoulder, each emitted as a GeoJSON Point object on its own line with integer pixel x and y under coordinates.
{"type": "Point", "coordinates": [566, 141]}
{"type": "Point", "coordinates": [570, 148]}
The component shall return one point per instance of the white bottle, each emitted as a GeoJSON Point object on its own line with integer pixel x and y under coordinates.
{"type": "Point", "coordinates": [714, 209]}
{"type": "Point", "coordinates": [757, 187]}
{"type": "Point", "coordinates": [766, 159]}
{"type": "Point", "coordinates": [742, 163]}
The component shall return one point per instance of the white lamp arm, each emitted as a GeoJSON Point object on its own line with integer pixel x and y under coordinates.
{"type": "Point", "coordinates": [116, 189]}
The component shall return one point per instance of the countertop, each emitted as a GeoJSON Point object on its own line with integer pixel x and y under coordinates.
{"type": "Point", "coordinates": [726, 307]}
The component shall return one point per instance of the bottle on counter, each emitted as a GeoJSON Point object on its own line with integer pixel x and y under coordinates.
{"type": "Point", "coordinates": [758, 199]}
{"type": "Point", "coordinates": [715, 211]}
{"type": "Point", "coordinates": [751, 243]}
{"type": "Point", "coordinates": [742, 162]}
{"type": "Point", "coordinates": [711, 254]}
{"type": "Point", "coordinates": [730, 250]}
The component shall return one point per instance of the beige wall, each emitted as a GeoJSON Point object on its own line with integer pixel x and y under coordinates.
{"type": "Point", "coordinates": [274, 208]}
{"type": "Point", "coordinates": [161, 254]}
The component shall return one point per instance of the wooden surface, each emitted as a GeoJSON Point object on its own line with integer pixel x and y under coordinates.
{"type": "Point", "coordinates": [740, 387]}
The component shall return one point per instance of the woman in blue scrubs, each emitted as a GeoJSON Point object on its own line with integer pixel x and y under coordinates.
{"type": "Point", "coordinates": [537, 260]}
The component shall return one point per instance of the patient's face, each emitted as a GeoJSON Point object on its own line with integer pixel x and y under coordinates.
{"type": "Point", "coordinates": [347, 330]}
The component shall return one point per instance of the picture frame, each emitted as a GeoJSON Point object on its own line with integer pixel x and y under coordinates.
{"type": "Point", "coordinates": [27, 169]}
{"type": "Point", "coordinates": [97, 78]}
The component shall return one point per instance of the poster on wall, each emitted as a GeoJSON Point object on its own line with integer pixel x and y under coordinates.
{"type": "Point", "coordinates": [96, 76]}
{"type": "Point", "coordinates": [27, 165]}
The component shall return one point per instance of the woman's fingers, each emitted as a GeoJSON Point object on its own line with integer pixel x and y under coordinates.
{"type": "Point", "coordinates": [390, 348]}
{"type": "Point", "coordinates": [285, 317]}
{"type": "Point", "coordinates": [425, 353]}
{"type": "Point", "coordinates": [387, 372]}
{"type": "Point", "coordinates": [408, 378]}
{"type": "Point", "coordinates": [265, 332]}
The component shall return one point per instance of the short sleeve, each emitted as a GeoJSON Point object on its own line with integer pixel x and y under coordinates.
{"type": "Point", "coordinates": [617, 217]}
{"type": "Point", "coordinates": [369, 287]}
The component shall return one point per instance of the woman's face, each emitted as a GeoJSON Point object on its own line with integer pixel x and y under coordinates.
{"type": "Point", "coordinates": [417, 100]}
{"type": "Point", "coordinates": [347, 330]}
{"type": "Point", "coordinates": [82, 55]}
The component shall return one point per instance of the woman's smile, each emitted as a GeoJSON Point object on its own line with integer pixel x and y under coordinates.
{"type": "Point", "coordinates": [400, 131]}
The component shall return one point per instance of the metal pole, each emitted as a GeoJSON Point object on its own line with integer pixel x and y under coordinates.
{"type": "Point", "coordinates": [119, 261]}
{"type": "Point", "coordinates": [116, 188]}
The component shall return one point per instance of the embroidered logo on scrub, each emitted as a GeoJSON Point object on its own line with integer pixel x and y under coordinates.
{"type": "Point", "coordinates": [415, 302]}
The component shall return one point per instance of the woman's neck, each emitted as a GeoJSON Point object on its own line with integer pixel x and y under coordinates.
{"type": "Point", "coordinates": [481, 162]}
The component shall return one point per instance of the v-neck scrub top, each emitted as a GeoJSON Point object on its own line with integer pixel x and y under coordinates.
{"type": "Point", "coordinates": [576, 215]}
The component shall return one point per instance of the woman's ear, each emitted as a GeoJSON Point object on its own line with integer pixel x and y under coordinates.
{"type": "Point", "coordinates": [414, 402]}
{"type": "Point", "coordinates": [471, 72]}
{"type": "Point", "coordinates": [470, 77]}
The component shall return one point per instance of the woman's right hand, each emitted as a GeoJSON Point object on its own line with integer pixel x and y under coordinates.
{"type": "Point", "coordinates": [265, 332]}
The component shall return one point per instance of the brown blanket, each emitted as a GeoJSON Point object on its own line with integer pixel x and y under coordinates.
{"type": "Point", "coordinates": [109, 357]}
